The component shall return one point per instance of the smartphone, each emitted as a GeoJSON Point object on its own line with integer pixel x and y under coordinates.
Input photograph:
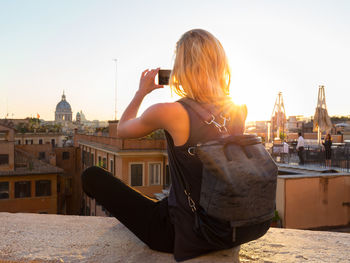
{"type": "Point", "coordinates": [164, 76]}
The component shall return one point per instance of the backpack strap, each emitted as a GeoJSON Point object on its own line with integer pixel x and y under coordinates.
{"type": "Point", "coordinates": [208, 116]}
{"type": "Point", "coordinates": [204, 114]}
{"type": "Point", "coordinates": [186, 189]}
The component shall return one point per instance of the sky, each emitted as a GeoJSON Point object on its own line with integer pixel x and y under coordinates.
{"type": "Point", "coordinates": [47, 47]}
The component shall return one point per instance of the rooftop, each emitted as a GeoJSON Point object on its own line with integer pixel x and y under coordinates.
{"type": "Point", "coordinates": [56, 238]}
{"type": "Point", "coordinates": [27, 164]}
{"type": "Point", "coordinates": [297, 171]}
{"type": "Point", "coordinates": [116, 144]}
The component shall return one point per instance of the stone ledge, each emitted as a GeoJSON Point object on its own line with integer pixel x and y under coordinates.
{"type": "Point", "coordinates": [56, 238]}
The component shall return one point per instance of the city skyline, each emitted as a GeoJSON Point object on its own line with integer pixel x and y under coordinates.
{"type": "Point", "coordinates": [272, 47]}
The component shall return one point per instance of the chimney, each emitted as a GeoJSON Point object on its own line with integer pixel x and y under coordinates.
{"type": "Point", "coordinates": [113, 128]}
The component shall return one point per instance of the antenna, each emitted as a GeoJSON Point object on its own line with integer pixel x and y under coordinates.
{"type": "Point", "coordinates": [7, 108]}
{"type": "Point", "coordinates": [115, 102]}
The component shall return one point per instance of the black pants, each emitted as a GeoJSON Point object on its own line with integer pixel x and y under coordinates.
{"type": "Point", "coordinates": [148, 219]}
{"type": "Point", "coordinates": [301, 155]}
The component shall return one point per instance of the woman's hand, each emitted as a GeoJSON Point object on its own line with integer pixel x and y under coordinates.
{"type": "Point", "coordinates": [147, 82]}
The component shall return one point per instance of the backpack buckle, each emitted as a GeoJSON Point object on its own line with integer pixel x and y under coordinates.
{"type": "Point", "coordinates": [191, 203]}
{"type": "Point", "coordinates": [220, 127]}
{"type": "Point", "coordinates": [224, 118]}
{"type": "Point", "coordinates": [191, 150]}
{"type": "Point", "coordinates": [211, 121]}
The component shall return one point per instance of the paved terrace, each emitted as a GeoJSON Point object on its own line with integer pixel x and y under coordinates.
{"type": "Point", "coordinates": [56, 238]}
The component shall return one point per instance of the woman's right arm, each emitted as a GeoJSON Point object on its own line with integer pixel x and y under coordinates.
{"type": "Point", "coordinates": [169, 116]}
{"type": "Point", "coordinates": [129, 125]}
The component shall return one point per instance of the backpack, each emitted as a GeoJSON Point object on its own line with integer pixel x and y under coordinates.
{"type": "Point", "coordinates": [239, 181]}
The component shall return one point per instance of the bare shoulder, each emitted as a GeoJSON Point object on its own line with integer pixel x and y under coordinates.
{"type": "Point", "coordinates": [165, 111]}
{"type": "Point", "coordinates": [169, 116]}
{"type": "Point", "coordinates": [168, 106]}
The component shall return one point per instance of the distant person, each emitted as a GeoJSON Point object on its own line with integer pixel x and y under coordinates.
{"type": "Point", "coordinates": [300, 148]}
{"type": "Point", "coordinates": [201, 73]}
{"type": "Point", "coordinates": [285, 152]}
{"type": "Point", "coordinates": [328, 149]}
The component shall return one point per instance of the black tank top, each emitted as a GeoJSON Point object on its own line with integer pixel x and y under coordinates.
{"type": "Point", "coordinates": [187, 245]}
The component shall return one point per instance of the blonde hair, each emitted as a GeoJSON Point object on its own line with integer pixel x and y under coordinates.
{"type": "Point", "coordinates": [201, 69]}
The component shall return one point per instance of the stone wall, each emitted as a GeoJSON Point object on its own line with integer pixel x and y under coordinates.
{"type": "Point", "coordinates": [57, 238]}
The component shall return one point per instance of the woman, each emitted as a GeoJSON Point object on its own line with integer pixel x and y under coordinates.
{"type": "Point", "coordinates": [328, 150]}
{"type": "Point", "coordinates": [201, 72]}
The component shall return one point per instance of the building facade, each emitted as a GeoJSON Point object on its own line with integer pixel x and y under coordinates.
{"type": "Point", "coordinates": [27, 184]}
{"type": "Point", "coordinates": [140, 163]}
{"type": "Point", "coordinates": [40, 138]}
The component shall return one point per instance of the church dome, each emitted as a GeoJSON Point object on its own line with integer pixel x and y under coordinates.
{"type": "Point", "coordinates": [63, 111]}
{"type": "Point", "coordinates": [63, 105]}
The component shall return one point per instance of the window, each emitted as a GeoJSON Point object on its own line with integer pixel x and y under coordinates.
{"type": "Point", "coordinates": [4, 190]}
{"type": "Point", "coordinates": [31, 141]}
{"type": "Point", "coordinates": [65, 155]}
{"type": "Point", "coordinates": [99, 161]}
{"type": "Point", "coordinates": [26, 141]}
{"type": "Point", "coordinates": [40, 141]}
{"type": "Point", "coordinates": [92, 159]}
{"type": "Point", "coordinates": [22, 189]}
{"type": "Point", "coordinates": [43, 188]}
{"type": "Point", "coordinates": [4, 159]}
{"type": "Point", "coordinates": [18, 142]}
{"type": "Point", "coordinates": [53, 142]}
{"type": "Point", "coordinates": [154, 173]}
{"type": "Point", "coordinates": [104, 163]}
{"type": "Point", "coordinates": [136, 176]}
{"type": "Point", "coordinates": [112, 166]}
{"type": "Point", "coordinates": [41, 155]}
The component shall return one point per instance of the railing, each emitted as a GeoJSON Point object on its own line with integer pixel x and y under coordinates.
{"type": "Point", "coordinates": [314, 155]}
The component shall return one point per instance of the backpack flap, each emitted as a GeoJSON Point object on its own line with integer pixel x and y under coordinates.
{"type": "Point", "coordinates": [239, 180]}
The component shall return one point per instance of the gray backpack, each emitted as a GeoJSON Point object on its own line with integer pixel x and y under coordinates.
{"type": "Point", "coordinates": [238, 181]}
